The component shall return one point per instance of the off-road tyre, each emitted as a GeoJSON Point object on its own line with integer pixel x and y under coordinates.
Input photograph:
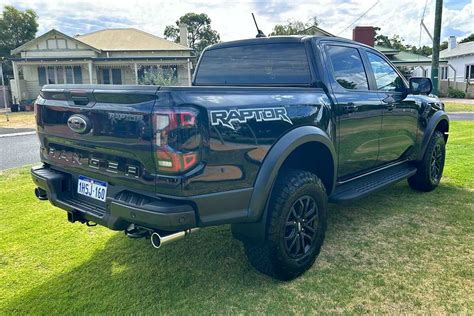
{"type": "Point", "coordinates": [288, 217]}
{"type": "Point", "coordinates": [430, 169]}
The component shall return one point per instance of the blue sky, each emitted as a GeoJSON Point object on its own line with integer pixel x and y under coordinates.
{"type": "Point", "coordinates": [232, 19]}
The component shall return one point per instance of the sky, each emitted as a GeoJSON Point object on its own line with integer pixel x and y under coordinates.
{"type": "Point", "coordinates": [232, 19]}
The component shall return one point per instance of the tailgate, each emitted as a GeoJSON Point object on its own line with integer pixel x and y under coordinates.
{"type": "Point", "coordinates": [101, 131]}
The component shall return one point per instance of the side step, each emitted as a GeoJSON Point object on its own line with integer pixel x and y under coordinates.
{"type": "Point", "coordinates": [357, 188]}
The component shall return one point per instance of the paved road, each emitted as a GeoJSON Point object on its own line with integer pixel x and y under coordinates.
{"type": "Point", "coordinates": [461, 116]}
{"type": "Point", "coordinates": [16, 151]}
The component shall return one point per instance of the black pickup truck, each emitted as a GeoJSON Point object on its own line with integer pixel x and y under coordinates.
{"type": "Point", "coordinates": [271, 130]}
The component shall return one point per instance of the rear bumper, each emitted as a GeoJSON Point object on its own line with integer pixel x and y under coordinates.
{"type": "Point", "coordinates": [119, 211]}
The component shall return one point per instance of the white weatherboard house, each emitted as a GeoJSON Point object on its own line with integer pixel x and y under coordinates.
{"type": "Point", "coordinates": [110, 56]}
{"type": "Point", "coordinates": [459, 71]}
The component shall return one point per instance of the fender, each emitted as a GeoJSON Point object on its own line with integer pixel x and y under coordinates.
{"type": "Point", "coordinates": [429, 130]}
{"type": "Point", "coordinates": [254, 229]}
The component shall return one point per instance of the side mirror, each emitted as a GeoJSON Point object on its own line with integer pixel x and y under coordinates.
{"type": "Point", "coordinates": [420, 85]}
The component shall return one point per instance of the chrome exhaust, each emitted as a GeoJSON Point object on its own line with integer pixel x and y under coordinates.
{"type": "Point", "coordinates": [157, 240]}
{"type": "Point", "coordinates": [41, 194]}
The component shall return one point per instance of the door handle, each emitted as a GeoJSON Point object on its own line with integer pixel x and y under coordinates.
{"type": "Point", "coordinates": [350, 107]}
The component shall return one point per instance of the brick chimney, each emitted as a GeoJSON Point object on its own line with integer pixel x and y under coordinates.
{"type": "Point", "coordinates": [364, 35]}
{"type": "Point", "coordinates": [183, 34]}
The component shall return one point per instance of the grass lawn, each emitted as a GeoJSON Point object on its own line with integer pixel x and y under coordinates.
{"type": "Point", "coordinates": [18, 120]}
{"type": "Point", "coordinates": [397, 251]}
{"type": "Point", "coordinates": [458, 107]}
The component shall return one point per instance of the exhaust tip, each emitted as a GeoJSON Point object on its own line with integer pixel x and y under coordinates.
{"type": "Point", "coordinates": [155, 240]}
{"type": "Point", "coordinates": [41, 194]}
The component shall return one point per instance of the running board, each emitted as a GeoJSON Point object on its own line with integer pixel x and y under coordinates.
{"type": "Point", "coordinates": [365, 185]}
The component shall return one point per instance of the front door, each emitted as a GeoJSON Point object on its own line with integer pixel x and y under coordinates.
{"type": "Point", "coordinates": [358, 110]}
{"type": "Point", "coordinates": [400, 113]}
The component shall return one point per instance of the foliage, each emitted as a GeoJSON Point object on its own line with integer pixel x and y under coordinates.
{"type": "Point", "coordinates": [295, 28]}
{"type": "Point", "coordinates": [443, 45]}
{"type": "Point", "coordinates": [397, 42]}
{"type": "Point", "coordinates": [200, 33]}
{"type": "Point", "coordinates": [158, 77]}
{"type": "Point", "coordinates": [469, 38]}
{"type": "Point", "coordinates": [16, 28]}
{"type": "Point", "coordinates": [456, 93]}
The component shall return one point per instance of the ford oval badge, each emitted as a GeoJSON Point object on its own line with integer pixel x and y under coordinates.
{"type": "Point", "coordinates": [79, 123]}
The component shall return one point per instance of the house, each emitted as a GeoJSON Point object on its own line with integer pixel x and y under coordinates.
{"type": "Point", "coordinates": [405, 61]}
{"type": "Point", "coordinates": [458, 68]}
{"type": "Point", "coordinates": [109, 56]}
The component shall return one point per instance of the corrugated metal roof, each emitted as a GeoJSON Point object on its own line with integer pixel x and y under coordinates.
{"type": "Point", "coordinates": [459, 50]}
{"type": "Point", "coordinates": [129, 39]}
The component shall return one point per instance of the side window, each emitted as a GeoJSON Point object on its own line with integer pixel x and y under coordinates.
{"type": "Point", "coordinates": [348, 67]}
{"type": "Point", "coordinates": [386, 77]}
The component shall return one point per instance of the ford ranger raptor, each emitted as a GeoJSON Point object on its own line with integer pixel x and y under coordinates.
{"type": "Point", "coordinates": [270, 131]}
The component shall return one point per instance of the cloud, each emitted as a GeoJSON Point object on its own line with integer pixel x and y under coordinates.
{"type": "Point", "coordinates": [232, 19]}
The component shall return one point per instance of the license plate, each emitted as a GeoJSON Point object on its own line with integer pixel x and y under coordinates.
{"type": "Point", "coordinates": [92, 188]}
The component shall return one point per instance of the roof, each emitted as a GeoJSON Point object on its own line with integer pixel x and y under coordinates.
{"type": "Point", "coordinates": [460, 50]}
{"type": "Point", "coordinates": [128, 39]}
{"type": "Point", "coordinates": [45, 35]}
{"type": "Point", "coordinates": [314, 29]}
{"type": "Point", "coordinates": [386, 50]}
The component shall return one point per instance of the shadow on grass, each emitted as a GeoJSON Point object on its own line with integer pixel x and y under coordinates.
{"type": "Point", "coordinates": [207, 272]}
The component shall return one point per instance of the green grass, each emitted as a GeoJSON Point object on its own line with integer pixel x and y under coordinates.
{"type": "Point", "coordinates": [458, 107]}
{"type": "Point", "coordinates": [397, 251]}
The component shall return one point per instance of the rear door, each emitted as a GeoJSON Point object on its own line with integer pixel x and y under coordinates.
{"type": "Point", "coordinates": [400, 114]}
{"type": "Point", "coordinates": [358, 109]}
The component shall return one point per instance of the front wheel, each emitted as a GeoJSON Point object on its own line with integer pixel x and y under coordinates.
{"type": "Point", "coordinates": [296, 226]}
{"type": "Point", "coordinates": [430, 169]}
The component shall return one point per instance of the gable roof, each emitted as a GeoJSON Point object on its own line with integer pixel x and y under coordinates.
{"type": "Point", "coordinates": [46, 35]}
{"type": "Point", "coordinates": [460, 50]}
{"type": "Point", "coordinates": [128, 39]}
{"type": "Point", "coordinates": [313, 29]}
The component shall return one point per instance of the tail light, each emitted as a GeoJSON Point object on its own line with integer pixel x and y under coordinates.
{"type": "Point", "coordinates": [177, 140]}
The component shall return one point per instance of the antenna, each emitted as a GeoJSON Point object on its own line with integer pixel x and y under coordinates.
{"type": "Point", "coordinates": [259, 31]}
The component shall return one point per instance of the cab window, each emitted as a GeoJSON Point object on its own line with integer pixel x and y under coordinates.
{"type": "Point", "coordinates": [386, 78]}
{"type": "Point", "coordinates": [347, 67]}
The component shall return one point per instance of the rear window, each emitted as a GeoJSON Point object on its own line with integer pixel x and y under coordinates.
{"type": "Point", "coordinates": [265, 64]}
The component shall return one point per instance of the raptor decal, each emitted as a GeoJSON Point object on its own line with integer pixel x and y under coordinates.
{"type": "Point", "coordinates": [227, 117]}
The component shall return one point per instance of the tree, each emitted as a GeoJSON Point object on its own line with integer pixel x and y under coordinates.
{"type": "Point", "coordinates": [16, 28]}
{"type": "Point", "coordinates": [200, 33]}
{"type": "Point", "coordinates": [295, 28]}
{"type": "Point", "coordinates": [469, 38]}
{"type": "Point", "coordinates": [159, 77]}
{"type": "Point", "coordinates": [397, 42]}
{"type": "Point", "coordinates": [443, 45]}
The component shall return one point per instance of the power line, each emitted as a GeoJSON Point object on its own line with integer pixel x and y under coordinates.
{"type": "Point", "coordinates": [360, 17]}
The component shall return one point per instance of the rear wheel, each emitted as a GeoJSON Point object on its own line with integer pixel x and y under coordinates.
{"type": "Point", "coordinates": [430, 169]}
{"type": "Point", "coordinates": [296, 226]}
